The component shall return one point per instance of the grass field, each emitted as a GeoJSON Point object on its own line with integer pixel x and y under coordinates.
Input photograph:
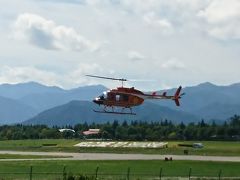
{"type": "Point", "coordinates": [210, 147]}
{"type": "Point", "coordinates": [18, 156]}
{"type": "Point", "coordinates": [118, 169]}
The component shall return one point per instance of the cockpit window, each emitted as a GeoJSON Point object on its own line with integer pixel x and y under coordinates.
{"type": "Point", "coordinates": [103, 96]}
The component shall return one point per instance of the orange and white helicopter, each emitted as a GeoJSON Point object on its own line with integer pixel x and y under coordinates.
{"type": "Point", "coordinates": [124, 97]}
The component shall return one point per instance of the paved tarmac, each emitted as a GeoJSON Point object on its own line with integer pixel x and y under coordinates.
{"type": "Point", "coordinates": [111, 156]}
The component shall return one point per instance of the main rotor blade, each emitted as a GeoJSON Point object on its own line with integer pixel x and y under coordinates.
{"type": "Point", "coordinates": [141, 80]}
{"type": "Point", "coordinates": [110, 78]}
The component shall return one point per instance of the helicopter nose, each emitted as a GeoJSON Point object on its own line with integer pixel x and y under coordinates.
{"type": "Point", "coordinates": [97, 101]}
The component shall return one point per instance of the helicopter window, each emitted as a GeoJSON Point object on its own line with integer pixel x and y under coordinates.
{"type": "Point", "coordinates": [125, 97]}
{"type": "Point", "coordinates": [117, 97]}
{"type": "Point", "coordinates": [103, 96]}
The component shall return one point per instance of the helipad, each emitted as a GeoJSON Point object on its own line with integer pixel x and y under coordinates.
{"type": "Point", "coordinates": [122, 144]}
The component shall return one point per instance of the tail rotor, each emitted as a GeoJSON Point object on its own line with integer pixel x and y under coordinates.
{"type": "Point", "coordinates": [178, 96]}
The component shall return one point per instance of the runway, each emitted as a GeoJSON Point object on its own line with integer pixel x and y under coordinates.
{"type": "Point", "coordinates": [112, 156]}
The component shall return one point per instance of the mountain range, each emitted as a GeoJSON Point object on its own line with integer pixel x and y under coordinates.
{"type": "Point", "coordinates": [19, 102]}
{"type": "Point", "coordinates": [76, 112]}
{"type": "Point", "coordinates": [34, 103]}
{"type": "Point", "coordinates": [208, 101]}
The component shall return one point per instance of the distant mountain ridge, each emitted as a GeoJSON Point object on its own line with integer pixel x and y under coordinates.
{"type": "Point", "coordinates": [16, 91]}
{"type": "Point", "coordinates": [27, 101]}
{"type": "Point", "coordinates": [50, 99]}
{"type": "Point", "coordinates": [208, 101]}
{"type": "Point", "coordinates": [76, 112]}
{"type": "Point", "coordinates": [13, 111]}
{"type": "Point", "coordinates": [32, 98]}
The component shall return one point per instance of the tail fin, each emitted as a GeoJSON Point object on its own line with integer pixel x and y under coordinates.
{"type": "Point", "coordinates": [177, 102]}
{"type": "Point", "coordinates": [177, 96]}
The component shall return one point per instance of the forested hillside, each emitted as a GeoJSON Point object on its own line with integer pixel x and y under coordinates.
{"type": "Point", "coordinates": [151, 131]}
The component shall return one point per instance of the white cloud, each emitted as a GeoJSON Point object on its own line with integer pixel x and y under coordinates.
{"type": "Point", "coordinates": [163, 24]}
{"type": "Point", "coordinates": [167, 16]}
{"type": "Point", "coordinates": [18, 74]}
{"type": "Point", "coordinates": [77, 76]}
{"type": "Point", "coordinates": [47, 34]}
{"type": "Point", "coordinates": [141, 5]}
{"type": "Point", "coordinates": [173, 64]}
{"type": "Point", "coordinates": [24, 74]}
{"type": "Point", "coordinates": [135, 56]}
{"type": "Point", "coordinates": [219, 11]}
{"type": "Point", "coordinates": [128, 25]}
{"type": "Point", "coordinates": [223, 19]}
{"type": "Point", "coordinates": [157, 5]}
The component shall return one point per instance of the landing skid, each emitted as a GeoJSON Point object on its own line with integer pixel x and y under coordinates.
{"type": "Point", "coordinates": [112, 112]}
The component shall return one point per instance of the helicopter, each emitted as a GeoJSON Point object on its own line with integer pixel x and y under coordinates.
{"type": "Point", "coordinates": [126, 98]}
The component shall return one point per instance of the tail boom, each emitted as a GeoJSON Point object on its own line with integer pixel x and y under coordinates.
{"type": "Point", "coordinates": [176, 96]}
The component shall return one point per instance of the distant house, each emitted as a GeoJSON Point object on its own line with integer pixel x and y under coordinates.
{"type": "Point", "coordinates": [91, 132]}
{"type": "Point", "coordinates": [66, 130]}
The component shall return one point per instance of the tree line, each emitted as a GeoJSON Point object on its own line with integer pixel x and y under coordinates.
{"type": "Point", "coordinates": [135, 130]}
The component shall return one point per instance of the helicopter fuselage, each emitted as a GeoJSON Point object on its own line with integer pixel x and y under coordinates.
{"type": "Point", "coordinates": [121, 97]}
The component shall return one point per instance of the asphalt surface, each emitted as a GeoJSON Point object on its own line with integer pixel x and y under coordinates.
{"type": "Point", "coordinates": [111, 156]}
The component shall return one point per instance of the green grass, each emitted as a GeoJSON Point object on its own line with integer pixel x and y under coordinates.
{"type": "Point", "coordinates": [118, 169]}
{"type": "Point", "coordinates": [210, 147]}
{"type": "Point", "coordinates": [18, 156]}
{"type": "Point", "coordinates": [36, 143]}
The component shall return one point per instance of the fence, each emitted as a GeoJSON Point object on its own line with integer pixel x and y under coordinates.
{"type": "Point", "coordinates": [33, 174]}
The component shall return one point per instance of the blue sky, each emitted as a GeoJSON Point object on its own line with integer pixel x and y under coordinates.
{"type": "Point", "coordinates": [173, 42]}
